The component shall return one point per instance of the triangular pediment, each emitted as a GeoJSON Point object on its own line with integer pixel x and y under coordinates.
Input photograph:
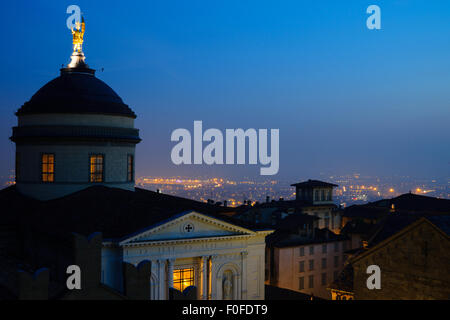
{"type": "Point", "coordinates": [188, 225]}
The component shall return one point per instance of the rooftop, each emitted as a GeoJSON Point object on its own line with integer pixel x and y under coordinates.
{"type": "Point", "coordinates": [313, 184]}
{"type": "Point", "coordinates": [114, 212]}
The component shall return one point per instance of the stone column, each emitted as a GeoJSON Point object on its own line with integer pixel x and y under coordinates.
{"type": "Point", "coordinates": [244, 255]}
{"type": "Point", "coordinates": [170, 263]}
{"type": "Point", "coordinates": [209, 277]}
{"type": "Point", "coordinates": [204, 289]}
{"type": "Point", "coordinates": [154, 286]}
{"type": "Point", "coordinates": [215, 286]}
{"type": "Point", "coordinates": [161, 280]}
{"type": "Point", "coordinates": [238, 283]}
{"type": "Point", "coordinates": [235, 287]}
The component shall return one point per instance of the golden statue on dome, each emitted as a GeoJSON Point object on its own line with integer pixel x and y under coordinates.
{"type": "Point", "coordinates": [77, 59]}
{"type": "Point", "coordinates": [77, 35]}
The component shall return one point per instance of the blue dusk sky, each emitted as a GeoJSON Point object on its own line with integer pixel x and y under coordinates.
{"type": "Point", "coordinates": [345, 98]}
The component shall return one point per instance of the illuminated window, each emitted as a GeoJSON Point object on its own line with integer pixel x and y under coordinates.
{"type": "Point", "coordinates": [130, 168]}
{"type": "Point", "coordinates": [48, 167]}
{"type": "Point", "coordinates": [96, 168]}
{"type": "Point", "coordinates": [183, 278]}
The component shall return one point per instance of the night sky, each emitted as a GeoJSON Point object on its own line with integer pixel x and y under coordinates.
{"type": "Point", "coordinates": [346, 99]}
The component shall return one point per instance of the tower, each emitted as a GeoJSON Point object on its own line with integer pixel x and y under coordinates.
{"type": "Point", "coordinates": [73, 133]}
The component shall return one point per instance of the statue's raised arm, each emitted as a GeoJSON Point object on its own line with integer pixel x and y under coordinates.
{"type": "Point", "coordinates": [77, 35]}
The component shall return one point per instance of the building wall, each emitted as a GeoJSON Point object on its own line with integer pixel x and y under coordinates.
{"type": "Point", "coordinates": [413, 266]}
{"type": "Point", "coordinates": [76, 120]}
{"type": "Point", "coordinates": [287, 267]}
{"type": "Point", "coordinates": [71, 157]}
{"type": "Point", "coordinates": [71, 168]}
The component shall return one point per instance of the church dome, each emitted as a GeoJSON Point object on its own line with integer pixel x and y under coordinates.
{"type": "Point", "coordinates": [76, 92]}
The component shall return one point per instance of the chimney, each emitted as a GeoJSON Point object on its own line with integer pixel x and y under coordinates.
{"type": "Point", "coordinates": [88, 256]}
{"type": "Point", "coordinates": [136, 280]}
{"type": "Point", "coordinates": [33, 286]}
{"type": "Point", "coordinates": [225, 203]}
{"type": "Point", "coordinates": [267, 199]}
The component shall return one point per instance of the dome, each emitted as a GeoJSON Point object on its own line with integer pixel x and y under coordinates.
{"type": "Point", "coordinates": [76, 92]}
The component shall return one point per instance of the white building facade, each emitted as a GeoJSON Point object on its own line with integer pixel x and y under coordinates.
{"type": "Point", "coordinates": [224, 261]}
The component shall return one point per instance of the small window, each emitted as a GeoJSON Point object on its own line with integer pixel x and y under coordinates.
{"type": "Point", "coordinates": [96, 168]}
{"type": "Point", "coordinates": [302, 251]}
{"type": "Point", "coordinates": [336, 247]}
{"type": "Point", "coordinates": [336, 261]}
{"type": "Point", "coordinates": [324, 263]}
{"type": "Point", "coordinates": [324, 278]}
{"type": "Point", "coordinates": [335, 275]}
{"type": "Point", "coordinates": [301, 266]}
{"type": "Point", "coordinates": [324, 248]}
{"type": "Point", "coordinates": [301, 283]}
{"type": "Point", "coordinates": [183, 278]}
{"type": "Point", "coordinates": [311, 250]}
{"type": "Point", "coordinates": [311, 281]}
{"type": "Point", "coordinates": [311, 265]}
{"type": "Point", "coordinates": [48, 167]}
{"type": "Point", "coordinates": [130, 168]}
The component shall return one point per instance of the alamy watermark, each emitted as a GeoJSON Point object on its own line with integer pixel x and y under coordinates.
{"type": "Point", "coordinates": [74, 18]}
{"type": "Point", "coordinates": [235, 139]}
{"type": "Point", "coordinates": [374, 280]}
{"type": "Point", "coordinates": [374, 20]}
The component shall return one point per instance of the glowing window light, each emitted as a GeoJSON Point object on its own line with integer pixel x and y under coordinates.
{"type": "Point", "coordinates": [183, 278]}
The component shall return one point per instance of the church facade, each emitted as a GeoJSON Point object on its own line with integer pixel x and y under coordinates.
{"type": "Point", "coordinates": [224, 261]}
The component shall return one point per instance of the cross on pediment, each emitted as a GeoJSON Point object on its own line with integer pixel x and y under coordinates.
{"type": "Point", "coordinates": [188, 227]}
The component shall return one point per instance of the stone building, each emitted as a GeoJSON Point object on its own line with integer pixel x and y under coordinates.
{"type": "Point", "coordinates": [413, 254]}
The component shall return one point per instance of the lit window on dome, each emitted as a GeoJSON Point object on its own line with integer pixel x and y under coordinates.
{"type": "Point", "coordinates": [96, 168]}
{"type": "Point", "coordinates": [48, 167]}
{"type": "Point", "coordinates": [183, 278]}
{"type": "Point", "coordinates": [130, 168]}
